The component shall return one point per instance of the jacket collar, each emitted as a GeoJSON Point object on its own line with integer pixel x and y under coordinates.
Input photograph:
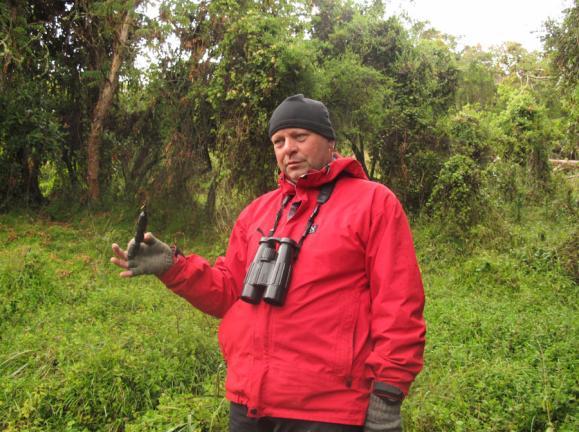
{"type": "Point", "coordinates": [316, 178]}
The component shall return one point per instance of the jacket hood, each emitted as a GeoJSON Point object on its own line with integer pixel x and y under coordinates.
{"type": "Point", "coordinates": [316, 178]}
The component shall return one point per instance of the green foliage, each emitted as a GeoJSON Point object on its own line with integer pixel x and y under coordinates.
{"type": "Point", "coordinates": [568, 256]}
{"type": "Point", "coordinates": [30, 134]}
{"type": "Point", "coordinates": [261, 64]}
{"type": "Point", "coordinates": [526, 134]}
{"type": "Point", "coordinates": [390, 90]}
{"type": "Point", "coordinates": [86, 350]}
{"type": "Point", "coordinates": [458, 199]}
{"type": "Point", "coordinates": [425, 82]}
{"type": "Point", "coordinates": [569, 125]}
{"type": "Point", "coordinates": [477, 78]}
{"type": "Point", "coordinates": [184, 413]}
{"type": "Point", "coordinates": [561, 44]}
{"type": "Point", "coordinates": [78, 351]}
{"type": "Point", "coordinates": [470, 135]}
{"type": "Point", "coordinates": [561, 50]}
{"type": "Point", "coordinates": [518, 67]}
{"type": "Point", "coordinates": [356, 96]}
{"type": "Point", "coordinates": [53, 57]}
{"type": "Point", "coordinates": [500, 320]}
{"type": "Point", "coordinates": [505, 182]}
{"type": "Point", "coordinates": [24, 289]}
{"type": "Point", "coordinates": [194, 123]}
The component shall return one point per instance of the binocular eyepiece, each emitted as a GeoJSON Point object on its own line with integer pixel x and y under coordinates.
{"type": "Point", "coordinates": [270, 272]}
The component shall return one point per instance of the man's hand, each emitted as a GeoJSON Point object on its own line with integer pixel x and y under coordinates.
{"type": "Point", "coordinates": [153, 257]}
{"type": "Point", "coordinates": [383, 415]}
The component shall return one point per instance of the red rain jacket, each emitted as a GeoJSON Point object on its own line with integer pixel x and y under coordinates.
{"type": "Point", "coordinates": [353, 312]}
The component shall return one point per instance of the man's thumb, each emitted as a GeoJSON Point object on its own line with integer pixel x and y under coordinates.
{"type": "Point", "coordinates": [149, 238]}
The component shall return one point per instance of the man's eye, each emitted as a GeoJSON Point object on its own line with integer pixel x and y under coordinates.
{"type": "Point", "coordinates": [301, 137]}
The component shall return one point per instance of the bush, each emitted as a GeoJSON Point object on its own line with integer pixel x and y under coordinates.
{"type": "Point", "coordinates": [500, 353]}
{"type": "Point", "coordinates": [526, 135]}
{"type": "Point", "coordinates": [470, 135]}
{"type": "Point", "coordinates": [457, 200]}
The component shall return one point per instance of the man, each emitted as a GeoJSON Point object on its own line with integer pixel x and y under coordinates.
{"type": "Point", "coordinates": [340, 348]}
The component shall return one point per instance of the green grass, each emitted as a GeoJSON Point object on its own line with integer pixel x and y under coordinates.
{"type": "Point", "coordinates": [502, 326]}
{"type": "Point", "coordinates": [83, 350]}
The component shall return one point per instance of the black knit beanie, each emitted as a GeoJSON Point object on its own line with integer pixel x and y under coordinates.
{"type": "Point", "coordinates": [300, 112]}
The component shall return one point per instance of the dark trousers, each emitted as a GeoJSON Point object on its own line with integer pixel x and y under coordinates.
{"type": "Point", "coordinates": [239, 422]}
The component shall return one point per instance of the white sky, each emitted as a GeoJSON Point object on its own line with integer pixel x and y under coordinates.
{"type": "Point", "coordinates": [484, 22]}
{"type": "Point", "coordinates": [488, 22]}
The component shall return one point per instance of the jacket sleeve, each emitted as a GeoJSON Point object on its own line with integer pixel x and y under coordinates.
{"type": "Point", "coordinates": [397, 296]}
{"type": "Point", "coordinates": [211, 289]}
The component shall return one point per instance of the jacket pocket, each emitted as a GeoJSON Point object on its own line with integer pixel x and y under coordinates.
{"type": "Point", "coordinates": [347, 339]}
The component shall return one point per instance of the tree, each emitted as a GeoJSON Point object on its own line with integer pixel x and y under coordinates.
{"type": "Point", "coordinates": [562, 44]}
{"type": "Point", "coordinates": [415, 143]}
{"type": "Point", "coordinates": [562, 47]}
{"type": "Point", "coordinates": [30, 130]}
{"type": "Point", "coordinates": [262, 60]}
{"type": "Point", "coordinates": [105, 98]}
{"type": "Point", "coordinates": [30, 134]}
{"type": "Point", "coordinates": [477, 77]}
{"type": "Point", "coordinates": [64, 48]}
{"type": "Point", "coordinates": [356, 96]}
{"type": "Point", "coordinates": [418, 78]}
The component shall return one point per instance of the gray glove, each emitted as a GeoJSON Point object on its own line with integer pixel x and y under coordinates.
{"type": "Point", "coordinates": [383, 416]}
{"type": "Point", "coordinates": [152, 257]}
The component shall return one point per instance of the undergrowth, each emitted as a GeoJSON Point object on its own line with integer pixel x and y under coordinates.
{"type": "Point", "coordinates": [83, 350]}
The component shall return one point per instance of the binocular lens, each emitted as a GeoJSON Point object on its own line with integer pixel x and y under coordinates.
{"type": "Point", "coordinates": [251, 294]}
{"type": "Point", "coordinates": [270, 271]}
{"type": "Point", "coordinates": [277, 284]}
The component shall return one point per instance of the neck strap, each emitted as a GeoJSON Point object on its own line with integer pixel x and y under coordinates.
{"type": "Point", "coordinates": [323, 196]}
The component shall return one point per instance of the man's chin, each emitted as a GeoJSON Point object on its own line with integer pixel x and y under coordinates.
{"type": "Point", "coordinates": [294, 174]}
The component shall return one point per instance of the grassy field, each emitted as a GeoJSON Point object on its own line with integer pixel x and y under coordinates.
{"type": "Point", "coordinates": [83, 350]}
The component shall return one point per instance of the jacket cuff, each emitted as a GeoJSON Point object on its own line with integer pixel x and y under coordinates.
{"type": "Point", "coordinates": [388, 392]}
{"type": "Point", "coordinates": [172, 271]}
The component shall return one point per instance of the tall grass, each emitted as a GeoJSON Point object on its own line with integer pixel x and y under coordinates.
{"type": "Point", "coordinates": [83, 350]}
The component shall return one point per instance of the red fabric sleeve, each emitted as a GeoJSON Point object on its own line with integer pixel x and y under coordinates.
{"type": "Point", "coordinates": [211, 289]}
{"type": "Point", "coordinates": [397, 324]}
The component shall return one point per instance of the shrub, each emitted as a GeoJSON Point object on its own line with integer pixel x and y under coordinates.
{"type": "Point", "coordinates": [470, 135]}
{"type": "Point", "coordinates": [526, 135]}
{"type": "Point", "coordinates": [457, 200]}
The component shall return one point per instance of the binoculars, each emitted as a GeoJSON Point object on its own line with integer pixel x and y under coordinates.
{"type": "Point", "coordinates": [270, 272]}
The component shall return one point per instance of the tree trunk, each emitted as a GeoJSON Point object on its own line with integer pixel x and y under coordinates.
{"type": "Point", "coordinates": [211, 198]}
{"type": "Point", "coordinates": [29, 174]}
{"type": "Point", "coordinates": [564, 163]}
{"type": "Point", "coordinates": [102, 108]}
{"type": "Point", "coordinates": [358, 152]}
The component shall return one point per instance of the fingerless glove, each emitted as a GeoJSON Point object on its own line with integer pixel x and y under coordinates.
{"type": "Point", "coordinates": [153, 257]}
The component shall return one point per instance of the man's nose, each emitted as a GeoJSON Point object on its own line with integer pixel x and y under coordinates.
{"type": "Point", "coordinates": [290, 145]}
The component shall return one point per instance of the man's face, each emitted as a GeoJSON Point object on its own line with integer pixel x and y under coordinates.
{"type": "Point", "coordinates": [299, 150]}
